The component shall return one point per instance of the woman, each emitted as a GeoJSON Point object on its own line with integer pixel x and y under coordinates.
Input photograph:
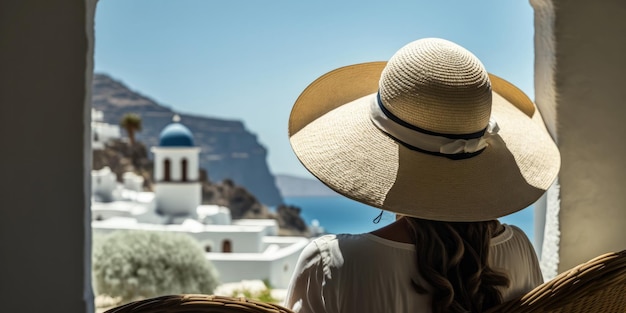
{"type": "Point", "coordinates": [433, 137]}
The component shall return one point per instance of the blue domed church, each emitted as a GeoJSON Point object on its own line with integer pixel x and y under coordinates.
{"type": "Point", "coordinates": [242, 249]}
{"type": "Point", "coordinates": [177, 188]}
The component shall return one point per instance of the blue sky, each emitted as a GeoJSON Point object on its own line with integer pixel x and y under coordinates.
{"type": "Point", "coordinates": [249, 60]}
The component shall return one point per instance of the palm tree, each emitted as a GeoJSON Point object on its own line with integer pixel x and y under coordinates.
{"type": "Point", "coordinates": [131, 122]}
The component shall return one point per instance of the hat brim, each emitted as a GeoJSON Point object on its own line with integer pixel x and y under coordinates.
{"type": "Point", "coordinates": [332, 135]}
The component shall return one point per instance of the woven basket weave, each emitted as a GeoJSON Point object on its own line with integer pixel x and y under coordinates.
{"type": "Point", "coordinates": [598, 285]}
{"type": "Point", "coordinates": [197, 303]}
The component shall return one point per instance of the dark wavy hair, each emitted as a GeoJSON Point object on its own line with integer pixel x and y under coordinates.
{"type": "Point", "coordinates": [453, 258]}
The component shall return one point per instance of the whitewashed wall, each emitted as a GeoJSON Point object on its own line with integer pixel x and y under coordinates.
{"type": "Point", "coordinates": [579, 85]}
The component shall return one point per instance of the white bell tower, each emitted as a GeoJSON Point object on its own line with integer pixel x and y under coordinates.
{"type": "Point", "coordinates": [177, 187]}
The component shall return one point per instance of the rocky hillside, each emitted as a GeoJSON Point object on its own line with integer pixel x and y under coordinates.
{"type": "Point", "coordinates": [229, 151]}
{"type": "Point", "coordinates": [122, 157]}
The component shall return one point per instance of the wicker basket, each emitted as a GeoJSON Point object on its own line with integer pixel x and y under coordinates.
{"type": "Point", "coordinates": [598, 285]}
{"type": "Point", "coordinates": [197, 303]}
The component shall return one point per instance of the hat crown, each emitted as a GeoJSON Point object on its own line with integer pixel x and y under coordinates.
{"type": "Point", "coordinates": [437, 85]}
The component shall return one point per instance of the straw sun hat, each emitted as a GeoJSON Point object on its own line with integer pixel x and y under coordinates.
{"type": "Point", "coordinates": [428, 134]}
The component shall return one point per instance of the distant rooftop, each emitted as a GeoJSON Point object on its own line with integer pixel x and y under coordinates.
{"type": "Point", "coordinates": [176, 135]}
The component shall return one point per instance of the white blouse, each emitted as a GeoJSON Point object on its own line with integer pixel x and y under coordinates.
{"type": "Point", "coordinates": [369, 274]}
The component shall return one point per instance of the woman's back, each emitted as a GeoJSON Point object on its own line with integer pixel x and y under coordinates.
{"type": "Point", "coordinates": [366, 273]}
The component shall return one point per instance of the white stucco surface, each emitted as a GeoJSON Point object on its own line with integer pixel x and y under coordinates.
{"type": "Point", "coordinates": [177, 198]}
{"type": "Point", "coordinates": [547, 226]}
{"type": "Point", "coordinates": [579, 66]}
{"type": "Point", "coordinates": [176, 155]}
{"type": "Point", "coordinates": [276, 267]}
{"type": "Point", "coordinates": [102, 132]}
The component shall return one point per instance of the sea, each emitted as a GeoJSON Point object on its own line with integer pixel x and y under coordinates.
{"type": "Point", "coordinates": [338, 214]}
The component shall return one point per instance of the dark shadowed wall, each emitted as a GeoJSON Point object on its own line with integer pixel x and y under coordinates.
{"type": "Point", "coordinates": [44, 234]}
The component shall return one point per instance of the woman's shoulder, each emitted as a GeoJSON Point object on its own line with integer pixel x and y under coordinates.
{"type": "Point", "coordinates": [510, 233]}
{"type": "Point", "coordinates": [333, 241]}
{"type": "Point", "coordinates": [336, 238]}
{"type": "Point", "coordinates": [328, 250]}
{"type": "Point", "coordinates": [512, 242]}
{"type": "Point", "coordinates": [358, 244]}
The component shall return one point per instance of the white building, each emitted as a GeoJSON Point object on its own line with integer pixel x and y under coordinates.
{"type": "Point", "coordinates": [247, 249]}
{"type": "Point", "coordinates": [103, 184]}
{"type": "Point", "coordinates": [102, 132]}
{"type": "Point", "coordinates": [176, 172]}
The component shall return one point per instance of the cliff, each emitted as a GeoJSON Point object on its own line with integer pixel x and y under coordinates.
{"type": "Point", "coordinates": [229, 151]}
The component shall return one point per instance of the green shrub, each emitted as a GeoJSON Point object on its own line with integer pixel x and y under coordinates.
{"type": "Point", "coordinates": [132, 265]}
